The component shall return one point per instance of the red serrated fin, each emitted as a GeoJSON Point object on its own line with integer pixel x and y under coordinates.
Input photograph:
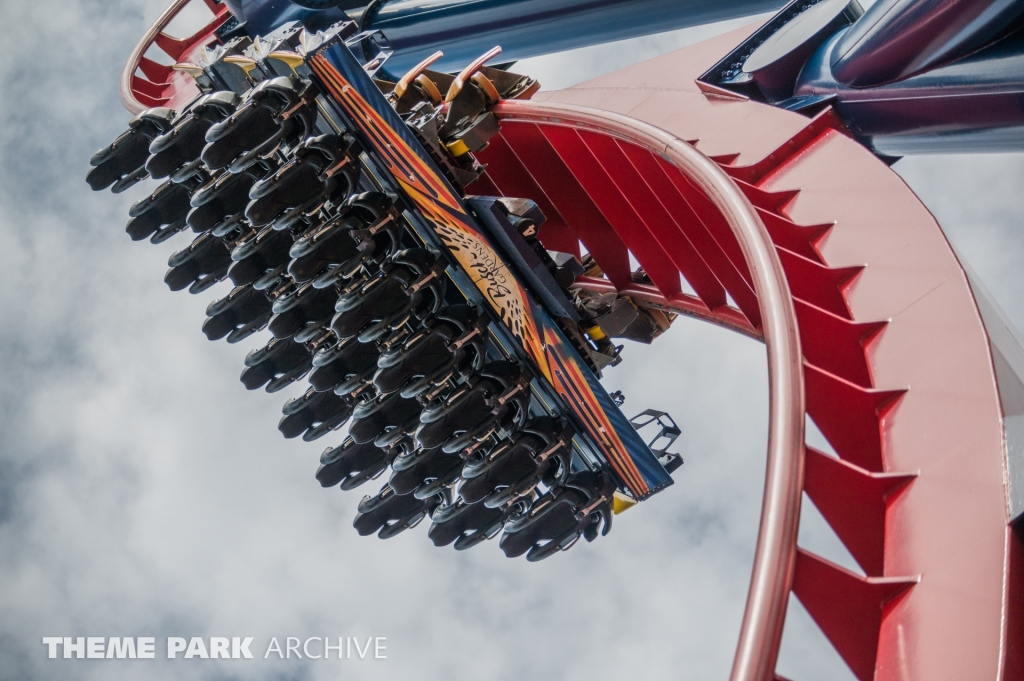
{"type": "Point", "coordinates": [849, 416]}
{"type": "Point", "coordinates": [835, 344]}
{"type": "Point", "coordinates": [710, 234]}
{"type": "Point", "coordinates": [776, 202]}
{"type": "Point", "coordinates": [147, 93]}
{"type": "Point", "coordinates": [725, 160]}
{"type": "Point", "coordinates": [624, 197]}
{"type": "Point", "coordinates": [624, 223]}
{"type": "Point", "coordinates": [571, 200]}
{"type": "Point", "coordinates": [668, 228]}
{"type": "Point", "coordinates": [174, 47]}
{"type": "Point", "coordinates": [822, 124]}
{"type": "Point", "coordinates": [817, 284]}
{"type": "Point", "coordinates": [793, 237]}
{"type": "Point", "coordinates": [710, 90]}
{"type": "Point", "coordinates": [143, 86]}
{"type": "Point", "coordinates": [157, 73]}
{"type": "Point", "coordinates": [846, 607]}
{"type": "Point", "coordinates": [148, 101]}
{"type": "Point", "coordinates": [853, 502]}
{"type": "Point", "coordinates": [508, 172]}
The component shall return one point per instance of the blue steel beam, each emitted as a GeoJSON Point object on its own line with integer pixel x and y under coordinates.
{"type": "Point", "coordinates": [465, 29]}
{"type": "Point", "coordinates": [973, 105]}
{"type": "Point", "coordinates": [528, 28]}
{"type": "Point", "coordinates": [896, 39]}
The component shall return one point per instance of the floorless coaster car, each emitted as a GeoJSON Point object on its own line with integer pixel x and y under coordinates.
{"type": "Point", "coordinates": [434, 324]}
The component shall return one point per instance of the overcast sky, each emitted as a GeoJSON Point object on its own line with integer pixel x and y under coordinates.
{"type": "Point", "coordinates": [145, 492]}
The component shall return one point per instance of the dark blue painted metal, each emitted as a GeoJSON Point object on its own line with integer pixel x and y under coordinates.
{"type": "Point", "coordinates": [896, 39]}
{"type": "Point", "coordinates": [527, 28]}
{"type": "Point", "coordinates": [975, 104]}
{"type": "Point", "coordinates": [465, 29]}
{"type": "Point", "coordinates": [261, 17]}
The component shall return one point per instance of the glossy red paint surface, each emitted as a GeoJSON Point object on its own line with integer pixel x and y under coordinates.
{"type": "Point", "coordinates": [897, 366]}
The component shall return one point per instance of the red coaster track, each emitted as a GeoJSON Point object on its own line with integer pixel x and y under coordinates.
{"type": "Point", "coordinates": [896, 369]}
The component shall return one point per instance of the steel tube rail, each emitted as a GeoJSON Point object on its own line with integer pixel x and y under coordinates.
{"type": "Point", "coordinates": [775, 555]}
{"type": "Point", "coordinates": [528, 28]}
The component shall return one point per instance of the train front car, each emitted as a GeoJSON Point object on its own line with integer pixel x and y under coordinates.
{"type": "Point", "coordinates": [432, 324]}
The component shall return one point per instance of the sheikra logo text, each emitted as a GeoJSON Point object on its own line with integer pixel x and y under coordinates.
{"type": "Point", "coordinates": [215, 647]}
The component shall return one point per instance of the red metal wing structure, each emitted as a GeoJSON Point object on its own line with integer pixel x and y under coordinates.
{"type": "Point", "coordinates": [874, 330]}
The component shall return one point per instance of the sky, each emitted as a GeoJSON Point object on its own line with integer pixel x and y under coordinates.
{"type": "Point", "coordinates": [145, 492]}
